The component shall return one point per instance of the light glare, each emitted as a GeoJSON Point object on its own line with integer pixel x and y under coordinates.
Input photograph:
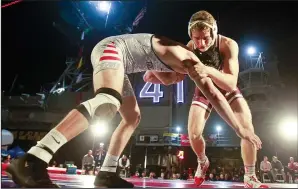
{"type": "Point", "coordinates": [251, 51]}
{"type": "Point", "coordinates": [289, 128]}
{"type": "Point", "coordinates": [99, 128]}
{"type": "Point", "coordinates": [218, 128]}
{"type": "Point", "coordinates": [104, 6]}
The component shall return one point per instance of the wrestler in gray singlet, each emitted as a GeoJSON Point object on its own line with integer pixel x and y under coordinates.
{"type": "Point", "coordinates": [136, 53]}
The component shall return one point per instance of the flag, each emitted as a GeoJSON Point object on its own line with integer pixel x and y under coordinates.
{"type": "Point", "coordinates": [79, 78]}
{"type": "Point", "coordinates": [80, 63]}
{"type": "Point", "coordinates": [139, 16]}
{"type": "Point", "coordinates": [83, 36]}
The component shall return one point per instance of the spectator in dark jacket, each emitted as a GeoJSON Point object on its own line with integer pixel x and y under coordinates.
{"type": "Point", "coordinates": [277, 167]}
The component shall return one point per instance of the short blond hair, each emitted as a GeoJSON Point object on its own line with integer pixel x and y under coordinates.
{"type": "Point", "coordinates": [203, 16]}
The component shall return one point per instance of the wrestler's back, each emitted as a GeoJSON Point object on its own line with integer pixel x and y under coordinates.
{"type": "Point", "coordinates": [136, 52]}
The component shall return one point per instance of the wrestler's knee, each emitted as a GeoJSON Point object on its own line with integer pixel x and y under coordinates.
{"type": "Point", "coordinates": [195, 135]}
{"type": "Point", "coordinates": [133, 119]}
{"type": "Point", "coordinates": [103, 107]}
{"type": "Point", "coordinates": [197, 119]}
{"type": "Point", "coordinates": [195, 131]}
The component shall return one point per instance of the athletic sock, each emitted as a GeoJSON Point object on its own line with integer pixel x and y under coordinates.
{"type": "Point", "coordinates": [249, 170]}
{"type": "Point", "coordinates": [202, 158]}
{"type": "Point", "coordinates": [110, 163]}
{"type": "Point", "coordinates": [47, 146]}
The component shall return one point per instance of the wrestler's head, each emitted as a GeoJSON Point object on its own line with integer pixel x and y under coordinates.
{"type": "Point", "coordinates": [202, 29]}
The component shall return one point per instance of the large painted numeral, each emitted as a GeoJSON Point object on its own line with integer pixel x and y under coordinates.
{"type": "Point", "coordinates": [156, 94]}
{"type": "Point", "coordinates": [180, 92]}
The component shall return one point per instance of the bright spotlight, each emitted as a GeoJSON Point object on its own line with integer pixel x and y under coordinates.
{"type": "Point", "coordinates": [218, 128]}
{"type": "Point", "coordinates": [99, 128]}
{"type": "Point", "coordinates": [178, 129]}
{"type": "Point", "coordinates": [251, 51]}
{"type": "Point", "coordinates": [104, 6]}
{"type": "Point", "coordinates": [289, 128]}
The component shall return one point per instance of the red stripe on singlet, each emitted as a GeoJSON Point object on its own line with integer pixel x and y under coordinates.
{"type": "Point", "coordinates": [232, 94]}
{"type": "Point", "coordinates": [110, 51]}
{"type": "Point", "coordinates": [111, 45]}
{"type": "Point", "coordinates": [109, 58]}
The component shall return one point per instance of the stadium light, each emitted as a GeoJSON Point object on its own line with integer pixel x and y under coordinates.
{"type": "Point", "coordinates": [288, 127]}
{"type": "Point", "coordinates": [99, 129]}
{"type": "Point", "coordinates": [104, 6]}
{"type": "Point", "coordinates": [218, 128]}
{"type": "Point", "coordinates": [251, 51]}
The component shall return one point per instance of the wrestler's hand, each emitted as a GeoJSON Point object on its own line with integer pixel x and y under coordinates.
{"type": "Point", "coordinates": [197, 71]}
{"type": "Point", "coordinates": [201, 69]}
{"type": "Point", "coordinates": [250, 136]}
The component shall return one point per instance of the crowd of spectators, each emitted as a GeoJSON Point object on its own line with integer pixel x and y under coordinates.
{"type": "Point", "coordinates": [221, 172]}
{"type": "Point", "coordinates": [275, 171]}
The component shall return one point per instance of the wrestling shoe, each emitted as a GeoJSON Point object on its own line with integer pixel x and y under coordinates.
{"type": "Point", "coordinates": [251, 181]}
{"type": "Point", "coordinates": [201, 172]}
{"type": "Point", "coordinates": [111, 180]}
{"type": "Point", "coordinates": [30, 172]}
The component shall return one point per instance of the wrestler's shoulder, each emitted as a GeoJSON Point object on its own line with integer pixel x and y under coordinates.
{"type": "Point", "coordinates": [228, 42]}
{"type": "Point", "coordinates": [228, 45]}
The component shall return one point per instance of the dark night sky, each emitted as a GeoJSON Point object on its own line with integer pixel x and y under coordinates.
{"type": "Point", "coordinates": [34, 49]}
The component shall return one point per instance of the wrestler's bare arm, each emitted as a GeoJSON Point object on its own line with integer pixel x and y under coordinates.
{"type": "Point", "coordinates": [165, 78]}
{"type": "Point", "coordinates": [151, 78]}
{"type": "Point", "coordinates": [227, 79]}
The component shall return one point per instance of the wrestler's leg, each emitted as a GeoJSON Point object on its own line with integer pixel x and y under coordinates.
{"type": "Point", "coordinates": [131, 116]}
{"type": "Point", "coordinates": [248, 150]}
{"type": "Point", "coordinates": [108, 81]}
{"type": "Point", "coordinates": [104, 77]}
{"type": "Point", "coordinates": [198, 114]}
{"type": "Point", "coordinates": [196, 123]}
